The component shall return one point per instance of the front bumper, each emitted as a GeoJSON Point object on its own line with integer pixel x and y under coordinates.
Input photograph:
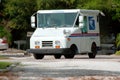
{"type": "Point", "coordinates": [47, 51]}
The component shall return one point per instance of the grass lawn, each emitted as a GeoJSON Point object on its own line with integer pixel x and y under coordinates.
{"type": "Point", "coordinates": [4, 65]}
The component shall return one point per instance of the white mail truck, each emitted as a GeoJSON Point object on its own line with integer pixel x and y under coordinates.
{"type": "Point", "coordinates": [65, 32]}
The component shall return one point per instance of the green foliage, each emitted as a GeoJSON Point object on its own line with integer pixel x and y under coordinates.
{"type": "Point", "coordinates": [45, 4]}
{"type": "Point", "coordinates": [69, 4]}
{"type": "Point", "coordinates": [116, 10]}
{"type": "Point", "coordinates": [93, 4]}
{"type": "Point", "coordinates": [110, 7]}
{"type": "Point", "coordinates": [117, 40]}
{"type": "Point", "coordinates": [5, 33]}
{"type": "Point", "coordinates": [16, 13]}
{"type": "Point", "coordinates": [4, 65]}
{"type": "Point", "coordinates": [56, 4]}
{"type": "Point", "coordinates": [2, 33]}
{"type": "Point", "coordinates": [117, 53]}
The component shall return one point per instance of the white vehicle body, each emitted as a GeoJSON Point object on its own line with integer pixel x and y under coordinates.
{"type": "Point", "coordinates": [74, 31]}
{"type": "Point", "coordinates": [3, 44]}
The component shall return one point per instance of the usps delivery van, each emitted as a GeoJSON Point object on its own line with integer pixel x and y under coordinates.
{"type": "Point", "coordinates": [65, 32]}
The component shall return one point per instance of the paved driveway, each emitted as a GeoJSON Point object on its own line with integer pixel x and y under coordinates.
{"type": "Point", "coordinates": [104, 67]}
{"type": "Point", "coordinates": [81, 66]}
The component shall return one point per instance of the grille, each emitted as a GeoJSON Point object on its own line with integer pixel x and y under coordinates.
{"type": "Point", "coordinates": [47, 43]}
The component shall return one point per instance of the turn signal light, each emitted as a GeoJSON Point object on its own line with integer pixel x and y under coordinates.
{"type": "Point", "coordinates": [68, 39]}
{"type": "Point", "coordinates": [37, 47]}
{"type": "Point", "coordinates": [57, 46]}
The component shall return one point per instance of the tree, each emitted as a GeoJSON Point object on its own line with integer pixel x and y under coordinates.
{"type": "Point", "coordinates": [18, 12]}
{"type": "Point", "coordinates": [109, 7]}
{"type": "Point", "coordinates": [56, 4]}
{"type": "Point", "coordinates": [4, 32]}
{"type": "Point", "coordinates": [17, 17]}
{"type": "Point", "coordinates": [116, 10]}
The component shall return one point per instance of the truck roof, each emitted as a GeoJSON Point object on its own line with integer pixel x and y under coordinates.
{"type": "Point", "coordinates": [82, 11]}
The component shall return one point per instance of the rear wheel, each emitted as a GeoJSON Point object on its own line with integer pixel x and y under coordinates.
{"type": "Point", "coordinates": [38, 56]}
{"type": "Point", "coordinates": [93, 50]}
{"type": "Point", "coordinates": [57, 56]}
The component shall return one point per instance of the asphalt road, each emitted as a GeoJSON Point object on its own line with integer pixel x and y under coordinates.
{"type": "Point", "coordinates": [81, 65]}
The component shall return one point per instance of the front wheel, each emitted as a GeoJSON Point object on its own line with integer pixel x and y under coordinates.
{"type": "Point", "coordinates": [71, 53]}
{"type": "Point", "coordinates": [57, 56]}
{"type": "Point", "coordinates": [93, 50]}
{"type": "Point", "coordinates": [38, 56]}
{"type": "Point", "coordinates": [69, 56]}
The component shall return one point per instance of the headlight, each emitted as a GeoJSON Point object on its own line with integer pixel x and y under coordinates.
{"type": "Point", "coordinates": [37, 43]}
{"type": "Point", "coordinates": [57, 42]}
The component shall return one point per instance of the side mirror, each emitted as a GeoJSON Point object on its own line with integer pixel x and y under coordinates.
{"type": "Point", "coordinates": [81, 25]}
{"type": "Point", "coordinates": [33, 21]}
{"type": "Point", "coordinates": [81, 21]}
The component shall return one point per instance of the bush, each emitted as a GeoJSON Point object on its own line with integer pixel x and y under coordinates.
{"type": "Point", "coordinates": [117, 42]}
{"type": "Point", "coordinates": [117, 52]}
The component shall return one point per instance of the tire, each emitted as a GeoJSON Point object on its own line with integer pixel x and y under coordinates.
{"type": "Point", "coordinates": [69, 56]}
{"type": "Point", "coordinates": [93, 50]}
{"type": "Point", "coordinates": [38, 56]}
{"type": "Point", "coordinates": [71, 53]}
{"type": "Point", "coordinates": [57, 56]}
{"type": "Point", "coordinates": [91, 55]}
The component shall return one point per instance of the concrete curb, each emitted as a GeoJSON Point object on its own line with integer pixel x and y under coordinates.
{"type": "Point", "coordinates": [12, 55]}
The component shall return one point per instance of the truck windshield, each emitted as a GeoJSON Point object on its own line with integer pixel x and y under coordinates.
{"type": "Point", "coordinates": [56, 19]}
